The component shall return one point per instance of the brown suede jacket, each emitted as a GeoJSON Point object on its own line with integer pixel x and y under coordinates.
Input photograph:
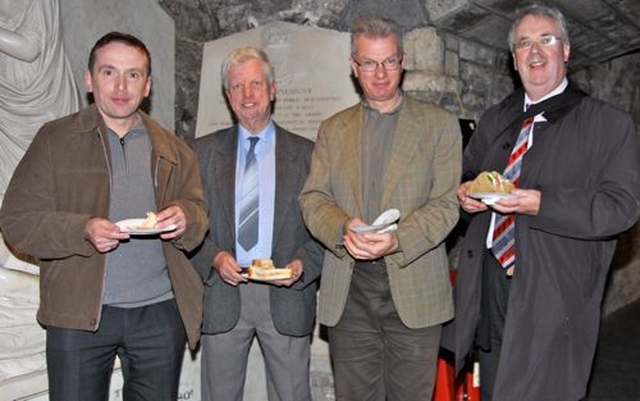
{"type": "Point", "coordinates": [64, 180]}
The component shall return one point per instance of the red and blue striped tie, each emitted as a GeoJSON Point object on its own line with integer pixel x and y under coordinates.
{"type": "Point", "coordinates": [504, 227]}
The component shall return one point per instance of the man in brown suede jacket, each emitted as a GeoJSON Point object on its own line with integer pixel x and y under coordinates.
{"type": "Point", "coordinates": [105, 291]}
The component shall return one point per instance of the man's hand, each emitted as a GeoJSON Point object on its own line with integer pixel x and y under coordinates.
{"type": "Point", "coordinates": [172, 215]}
{"type": "Point", "coordinates": [298, 268]}
{"type": "Point", "coordinates": [467, 203]}
{"type": "Point", "coordinates": [368, 246]}
{"type": "Point", "coordinates": [103, 234]}
{"type": "Point", "coordinates": [526, 201]}
{"type": "Point", "coordinates": [228, 268]}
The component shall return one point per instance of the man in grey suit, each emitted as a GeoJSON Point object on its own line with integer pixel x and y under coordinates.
{"type": "Point", "coordinates": [280, 314]}
{"type": "Point", "coordinates": [384, 295]}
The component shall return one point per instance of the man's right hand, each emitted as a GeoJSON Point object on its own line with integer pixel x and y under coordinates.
{"type": "Point", "coordinates": [103, 234]}
{"type": "Point", "coordinates": [368, 246]}
{"type": "Point", "coordinates": [467, 203]}
{"type": "Point", "coordinates": [228, 268]}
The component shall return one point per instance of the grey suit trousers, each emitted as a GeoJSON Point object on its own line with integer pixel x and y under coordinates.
{"type": "Point", "coordinates": [225, 355]}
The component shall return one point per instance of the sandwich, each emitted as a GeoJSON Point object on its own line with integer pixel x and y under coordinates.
{"type": "Point", "coordinates": [491, 182]}
{"type": "Point", "coordinates": [263, 269]}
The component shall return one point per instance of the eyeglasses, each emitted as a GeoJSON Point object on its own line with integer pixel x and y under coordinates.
{"type": "Point", "coordinates": [389, 64]}
{"type": "Point", "coordinates": [544, 41]}
{"type": "Point", "coordinates": [239, 87]}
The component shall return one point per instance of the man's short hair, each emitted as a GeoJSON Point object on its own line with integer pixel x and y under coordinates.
{"type": "Point", "coordinates": [244, 54]}
{"type": "Point", "coordinates": [120, 37]}
{"type": "Point", "coordinates": [537, 10]}
{"type": "Point", "coordinates": [374, 27]}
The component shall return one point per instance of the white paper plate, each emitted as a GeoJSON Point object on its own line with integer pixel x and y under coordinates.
{"type": "Point", "coordinates": [387, 217]}
{"type": "Point", "coordinates": [132, 227]}
{"type": "Point", "coordinates": [489, 198]}
{"type": "Point", "coordinates": [382, 224]}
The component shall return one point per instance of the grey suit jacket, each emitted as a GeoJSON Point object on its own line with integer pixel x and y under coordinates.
{"type": "Point", "coordinates": [292, 309]}
{"type": "Point", "coordinates": [421, 180]}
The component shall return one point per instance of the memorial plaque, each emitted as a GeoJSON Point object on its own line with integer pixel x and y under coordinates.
{"type": "Point", "coordinates": [313, 76]}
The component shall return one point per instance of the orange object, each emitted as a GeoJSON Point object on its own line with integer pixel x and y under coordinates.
{"type": "Point", "coordinates": [445, 386]}
{"type": "Point", "coordinates": [448, 387]}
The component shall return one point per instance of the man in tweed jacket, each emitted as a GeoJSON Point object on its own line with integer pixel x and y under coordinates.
{"type": "Point", "coordinates": [384, 295]}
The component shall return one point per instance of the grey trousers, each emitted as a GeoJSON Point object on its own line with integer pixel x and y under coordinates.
{"type": "Point", "coordinates": [224, 355]}
{"type": "Point", "coordinates": [375, 356]}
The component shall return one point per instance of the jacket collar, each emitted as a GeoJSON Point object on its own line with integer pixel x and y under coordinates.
{"type": "Point", "coordinates": [161, 147]}
{"type": "Point", "coordinates": [90, 120]}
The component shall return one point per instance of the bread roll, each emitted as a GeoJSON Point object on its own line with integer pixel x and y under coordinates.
{"type": "Point", "coordinates": [263, 269]}
{"type": "Point", "coordinates": [490, 182]}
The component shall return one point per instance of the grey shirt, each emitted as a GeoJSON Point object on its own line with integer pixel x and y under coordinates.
{"type": "Point", "coordinates": [136, 273]}
{"type": "Point", "coordinates": [378, 130]}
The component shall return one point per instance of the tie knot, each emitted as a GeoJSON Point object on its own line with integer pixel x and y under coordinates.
{"type": "Point", "coordinates": [253, 140]}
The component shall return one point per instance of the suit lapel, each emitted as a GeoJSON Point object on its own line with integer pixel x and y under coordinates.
{"type": "Point", "coordinates": [506, 135]}
{"type": "Point", "coordinates": [285, 180]}
{"type": "Point", "coordinates": [225, 175]}
{"type": "Point", "coordinates": [404, 145]}
{"type": "Point", "coordinates": [352, 146]}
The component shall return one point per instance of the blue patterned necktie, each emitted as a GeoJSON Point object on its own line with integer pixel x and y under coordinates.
{"type": "Point", "coordinates": [249, 207]}
{"type": "Point", "coordinates": [504, 227]}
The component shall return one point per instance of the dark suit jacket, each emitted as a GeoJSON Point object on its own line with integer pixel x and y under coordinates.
{"type": "Point", "coordinates": [584, 161]}
{"type": "Point", "coordinates": [292, 309]}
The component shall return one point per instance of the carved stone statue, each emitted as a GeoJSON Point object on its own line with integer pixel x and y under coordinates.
{"type": "Point", "coordinates": [36, 86]}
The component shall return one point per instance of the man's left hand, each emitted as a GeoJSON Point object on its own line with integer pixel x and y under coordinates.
{"type": "Point", "coordinates": [526, 201]}
{"type": "Point", "coordinates": [172, 215]}
{"type": "Point", "coordinates": [368, 246]}
{"type": "Point", "coordinates": [298, 268]}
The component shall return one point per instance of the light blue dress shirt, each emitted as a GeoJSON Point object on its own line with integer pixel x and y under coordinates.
{"type": "Point", "coordinates": [266, 159]}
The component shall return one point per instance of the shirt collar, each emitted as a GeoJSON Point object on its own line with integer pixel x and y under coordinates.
{"type": "Point", "coordinates": [267, 138]}
{"type": "Point", "coordinates": [138, 127]}
{"type": "Point", "coordinates": [395, 110]}
{"type": "Point", "coordinates": [558, 90]}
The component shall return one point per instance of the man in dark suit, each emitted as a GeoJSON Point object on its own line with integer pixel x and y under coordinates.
{"type": "Point", "coordinates": [534, 309]}
{"type": "Point", "coordinates": [281, 313]}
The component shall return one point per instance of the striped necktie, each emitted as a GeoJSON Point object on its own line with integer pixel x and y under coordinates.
{"type": "Point", "coordinates": [249, 207]}
{"type": "Point", "coordinates": [504, 227]}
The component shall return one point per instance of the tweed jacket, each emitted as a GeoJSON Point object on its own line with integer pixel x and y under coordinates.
{"type": "Point", "coordinates": [421, 180]}
{"type": "Point", "coordinates": [64, 180]}
{"type": "Point", "coordinates": [292, 309]}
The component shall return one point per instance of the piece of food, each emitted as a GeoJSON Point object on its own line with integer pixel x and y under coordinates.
{"type": "Point", "coordinates": [263, 269]}
{"type": "Point", "coordinates": [491, 182]}
{"type": "Point", "coordinates": [149, 223]}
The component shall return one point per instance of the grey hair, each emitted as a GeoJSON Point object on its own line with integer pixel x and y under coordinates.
{"type": "Point", "coordinates": [244, 54]}
{"type": "Point", "coordinates": [537, 10]}
{"type": "Point", "coordinates": [373, 27]}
